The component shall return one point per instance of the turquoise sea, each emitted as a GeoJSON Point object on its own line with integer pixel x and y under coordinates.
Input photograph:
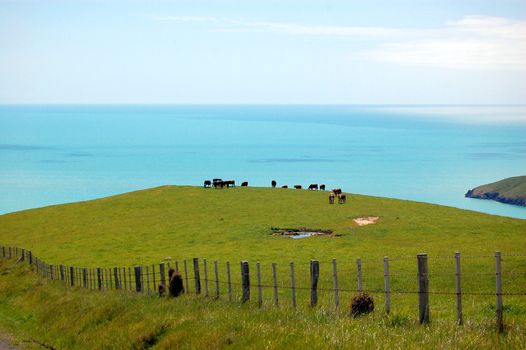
{"type": "Point", "coordinates": [58, 154]}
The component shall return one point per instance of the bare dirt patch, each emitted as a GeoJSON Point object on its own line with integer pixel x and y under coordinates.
{"type": "Point", "coordinates": [366, 220]}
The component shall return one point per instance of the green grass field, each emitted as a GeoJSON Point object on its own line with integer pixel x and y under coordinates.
{"type": "Point", "coordinates": [145, 227]}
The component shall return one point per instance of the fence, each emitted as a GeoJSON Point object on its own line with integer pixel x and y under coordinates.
{"type": "Point", "coordinates": [386, 283]}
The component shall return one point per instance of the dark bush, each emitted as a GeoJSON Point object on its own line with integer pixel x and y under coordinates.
{"type": "Point", "coordinates": [361, 304]}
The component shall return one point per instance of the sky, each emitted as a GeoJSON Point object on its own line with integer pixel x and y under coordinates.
{"type": "Point", "coordinates": [263, 52]}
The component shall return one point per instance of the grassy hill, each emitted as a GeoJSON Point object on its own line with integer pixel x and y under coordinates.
{"type": "Point", "coordinates": [145, 227]}
{"type": "Point", "coordinates": [183, 222]}
{"type": "Point", "coordinates": [511, 190]}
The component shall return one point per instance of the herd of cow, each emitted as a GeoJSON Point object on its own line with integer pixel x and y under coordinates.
{"type": "Point", "coordinates": [336, 192]}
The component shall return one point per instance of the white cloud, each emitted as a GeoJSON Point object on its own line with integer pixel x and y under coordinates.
{"type": "Point", "coordinates": [473, 42]}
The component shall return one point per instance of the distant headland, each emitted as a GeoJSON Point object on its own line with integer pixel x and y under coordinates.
{"type": "Point", "coordinates": [510, 191]}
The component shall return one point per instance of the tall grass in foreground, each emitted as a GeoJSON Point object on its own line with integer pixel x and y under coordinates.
{"type": "Point", "coordinates": [40, 311]}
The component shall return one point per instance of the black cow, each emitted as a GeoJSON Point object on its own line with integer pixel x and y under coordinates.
{"type": "Point", "coordinates": [273, 183]}
{"type": "Point", "coordinates": [207, 183]}
{"type": "Point", "coordinates": [313, 186]}
{"type": "Point", "coordinates": [322, 187]}
{"type": "Point", "coordinates": [298, 187]}
{"type": "Point", "coordinates": [284, 186]}
{"type": "Point", "coordinates": [244, 184]}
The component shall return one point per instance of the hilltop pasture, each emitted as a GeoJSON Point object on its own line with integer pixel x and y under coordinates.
{"type": "Point", "coordinates": [176, 223]}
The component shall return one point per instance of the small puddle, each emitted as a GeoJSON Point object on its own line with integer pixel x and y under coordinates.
{"type": "Point", "coordinates": [303, 235]}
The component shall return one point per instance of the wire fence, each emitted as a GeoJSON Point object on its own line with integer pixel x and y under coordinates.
{"type": "Point", "coordinates": [475, 289]}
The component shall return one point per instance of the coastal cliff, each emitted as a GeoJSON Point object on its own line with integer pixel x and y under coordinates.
{"type": "Point", "coordinates": [510, 191]}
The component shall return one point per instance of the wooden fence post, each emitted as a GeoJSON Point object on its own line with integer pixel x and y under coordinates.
{"type": "Point", "coordinates": [154, 281]}
{"type": "Point", "coordinates": [205, 268]}
{"type": "Point", "coordinates": [99, 279]}
{"type": "Point", "coordinates": [30, 255]}
{"type": "Point", "coordinates": [498, 275]}
{"type": "Point", "coordinates": [130, 278]}
{"type": "Point", "coordinates": [335, 283]}
{"type": "Point", "coordinates": [85, 277]}
{"type": "Point", "coordinates": [72, 274]}
{"type": "Point", "coordinates": [23, 255]}
{"type": "Point", "coordinates": [292, 284]}
{"type": "Point", "coordinates": [217, 279]}
{"type": "Point", "coordinates": [228, 281]}
{"type": "Point", "coordinates": [62, 273]}
{"type": "Point", "coordinates": [260, 295]}
{"type": "Point", "coordinates": [138, 284]}
{"type": "Point", "coordinates": [423, 289]}
{"type": "Point", "coordinates": [458, 288]}
{"type": "Point", "coordinates": [10, 253]}
{"type": "Point", "coordinates": [387, 286]}
{"type": "Point", "coordinates": [245, 281]}
{"type": "Point", "coordinates": [197, 276]}
{"type": "Point", "coordinates": [359, 268]}
{"type": "Point", "coordinates": [116, 276]}
{"type": "Point", "coordinates": [162, 274]}
{"type": "Point", "coordinates": [143, 289]}
{"type": "Point", "coordinates": [275, 281]}
{"type": "Point", "coordinates": [124, 280]}
{"type": "Point", "coordinates": [3, 252]}
{"type": "Point", "coordinates": [148, 279]}
{"type": "Point", "coordinates": [51, 272]}
{"type": "Point", "coordinates": [187, 287]}
{"type": "Point", "coordinates": [176, 266]}
{"type": "Point", "coordinates": [314, 276]}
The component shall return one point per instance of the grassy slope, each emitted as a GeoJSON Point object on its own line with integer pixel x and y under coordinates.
{"type": "Point", "coordinates": [513, 187]}
{"type": "Point", "coordinates": [66, 318]}
{"type": "Point", "coordinates": [183, 222]}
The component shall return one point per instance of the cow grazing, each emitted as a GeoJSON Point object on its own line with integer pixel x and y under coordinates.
{"type": "Point", "coordinates": [229, 183]}
{"type": "Point", "coordinates": [298, 187]}
{"type": "Point", "coordinates": [244, 184]}
{"type": "Point", "coordinates": [284, 186]}
{"type": "Point", "coordinates": [337, 191]}
{"type": "Point", "coordinates": [313, 186]}
{"type": "Point", "coordinates": [342, 198]}
{"type": "Point", "coordinates": [207, 183]}
{"type": "Point", "coordinates": [273, 183]}
{"type": "Point", "coordinates": [218, 183]}
{"type": "Point", "coordinates": [322, 187]}
{"type": "Point", "coordinates": [331, 197]}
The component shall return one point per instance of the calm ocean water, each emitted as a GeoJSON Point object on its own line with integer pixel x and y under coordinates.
{"type": "Point", "coordinates": [57, 154]}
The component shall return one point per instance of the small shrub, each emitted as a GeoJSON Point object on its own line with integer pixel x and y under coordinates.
{"type": "Point", "coordinates": [361, 304]}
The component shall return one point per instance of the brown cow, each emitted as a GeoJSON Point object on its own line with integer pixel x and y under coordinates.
{"type": "Point", "coordinates": [244, 184]}
{"type": "Point", "coordinates": [322, 187]}
{"type": "Point", "coordinates": [337, 191]}
{"type": "Point", "coordinates": [298, 187]}
{"type": "Point", "coordinates": [331, 197]}
{"type": "Point", "coordinates": [313, 186]}
{"type": "Point", "coordinates": [229, 183]}
{"type": "Point", "coordinates": [342, 198]}
{"type": "Point", "coordinates": [218, 183]}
